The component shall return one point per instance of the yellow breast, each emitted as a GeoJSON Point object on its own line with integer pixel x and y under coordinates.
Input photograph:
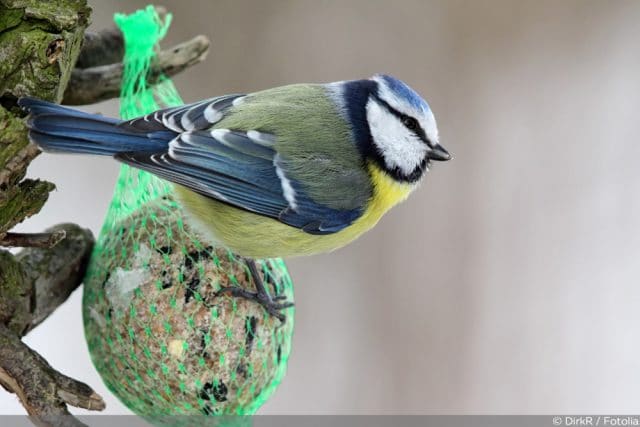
{"type": "Point", "coordinates": [257, 236]}
{"type": "Point", "coordinates": [387, 191]}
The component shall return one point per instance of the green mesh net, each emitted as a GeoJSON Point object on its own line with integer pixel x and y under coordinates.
{"type": "Point", "coordinates": [161, 335]}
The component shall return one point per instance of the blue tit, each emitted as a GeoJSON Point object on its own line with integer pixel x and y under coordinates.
{"type": "Point", "coordinates": [293, 170]}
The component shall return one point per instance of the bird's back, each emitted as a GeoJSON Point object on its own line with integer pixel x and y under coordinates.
{"type": "Point", "coordinates": [313, 140]}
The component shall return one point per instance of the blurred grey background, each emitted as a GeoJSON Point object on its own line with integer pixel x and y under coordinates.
{"type": "Point", "coordinates": [509, 283]}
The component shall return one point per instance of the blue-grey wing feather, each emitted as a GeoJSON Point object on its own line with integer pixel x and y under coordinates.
{"type": "Point", "coordinates": [240, 170]}
{"type": "Point", "coordinates": [197, 116]}
{"type": "Point", "coordinates": [216, 186]}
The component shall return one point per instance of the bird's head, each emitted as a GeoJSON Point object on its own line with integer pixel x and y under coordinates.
{"type": "Point", "coordinates": [393, 126]}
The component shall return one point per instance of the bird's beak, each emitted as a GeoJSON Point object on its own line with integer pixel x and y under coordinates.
{"type": "Point", "coordinates": [438, 153]}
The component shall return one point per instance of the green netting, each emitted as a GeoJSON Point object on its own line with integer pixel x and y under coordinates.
{"type": "Point", "coordinates": [162, 338]}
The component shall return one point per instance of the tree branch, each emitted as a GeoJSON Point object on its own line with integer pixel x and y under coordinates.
{"type": "Point", "coordinates": [57, 271]}
{"type": "Point", "coordinates": [101, 48]}
{"type": "Point", "coordinates": [32, 240]}
{"type": "Point", "coordinates": [102, 82]}
{"type": "Point", "coordinates": [32, 285]}
{"type": "Point", "coordinates": [43, 391]}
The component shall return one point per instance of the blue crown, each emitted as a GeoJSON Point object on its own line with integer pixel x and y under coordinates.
{"type": "Point", "coordinates": [405, 92]}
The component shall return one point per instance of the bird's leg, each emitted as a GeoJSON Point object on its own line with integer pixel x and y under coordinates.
{"type": "Point", "coordinates": [261, 296]}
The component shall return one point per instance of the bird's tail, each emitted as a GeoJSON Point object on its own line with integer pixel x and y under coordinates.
{"type": "Point", "coordinates": [59, 129]}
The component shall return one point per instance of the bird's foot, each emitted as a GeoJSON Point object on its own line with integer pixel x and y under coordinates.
{"type": "Point", "coordinates": [271, 305]}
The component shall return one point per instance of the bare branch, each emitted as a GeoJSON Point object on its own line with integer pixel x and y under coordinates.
{"type": "Point", "coordinates": [58, 271]}
{"type": "Point", "coordinates": [43, 391]}
{"type": "Point", "coordinates": [32, 240]}
{"type": "Point", "coordinates": [32, 285]}
{"type": "Point", "coordinates": [95, 84]}
{"type": "Point", "coordinates": [101, 48]}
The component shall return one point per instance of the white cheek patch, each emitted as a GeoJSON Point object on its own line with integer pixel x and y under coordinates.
{"type": "Point", "coordinates": [398, 146]}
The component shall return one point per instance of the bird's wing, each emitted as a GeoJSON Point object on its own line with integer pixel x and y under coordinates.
{"type": "Point", "coordinates": [197, 116]}
{"type": "Point", "coordinates": [242, 169]}
{"type": "Point", "coordinates": [314, 140]}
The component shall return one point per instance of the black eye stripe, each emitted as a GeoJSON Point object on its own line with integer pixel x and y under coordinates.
{"type": "Point", "coordinates": [419, 131]}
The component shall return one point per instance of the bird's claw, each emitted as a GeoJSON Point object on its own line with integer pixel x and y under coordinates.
{"type": "Point", "coordinates": [271, 305]}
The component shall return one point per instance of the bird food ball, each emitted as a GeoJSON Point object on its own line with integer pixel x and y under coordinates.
{"type": "Point", "coordinates": [163, 336]}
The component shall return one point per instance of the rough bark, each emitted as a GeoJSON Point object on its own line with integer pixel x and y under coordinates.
{"type": "Point", "coordinates": [32, 285]}
{"type": "Point", "coordinates": [39, 44]}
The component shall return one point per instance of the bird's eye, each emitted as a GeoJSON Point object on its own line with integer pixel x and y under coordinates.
{"type": "Point", "coordinates": [410, 123]}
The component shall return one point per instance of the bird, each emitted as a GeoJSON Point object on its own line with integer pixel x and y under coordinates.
{"type": "Point", "coordinates": [292, 170]}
